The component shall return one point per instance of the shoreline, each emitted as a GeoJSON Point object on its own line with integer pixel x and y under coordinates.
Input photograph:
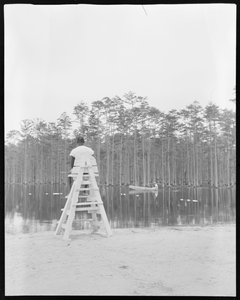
{"type": "Point", "coordinates": [174, 260]}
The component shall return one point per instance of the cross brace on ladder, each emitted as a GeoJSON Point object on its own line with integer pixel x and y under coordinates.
{"type": "Point", "coordinates": [84, 188]}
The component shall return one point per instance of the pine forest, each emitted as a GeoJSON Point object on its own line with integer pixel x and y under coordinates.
{"type": "Point", "coordinates": [134, 143]}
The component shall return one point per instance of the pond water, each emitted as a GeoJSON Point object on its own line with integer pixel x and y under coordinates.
{"type": "Point", "coordinates": [34, 208]}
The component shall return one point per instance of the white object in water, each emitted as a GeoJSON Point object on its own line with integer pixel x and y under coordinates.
{"type": "Point", "coordinates": [194, 200]}
{"type": "Point", "coordinates": [46, 193]}
{"type": "Point", "coordinates": [30, 194]}
{"type": "Point", "coordinates": [57, 193]}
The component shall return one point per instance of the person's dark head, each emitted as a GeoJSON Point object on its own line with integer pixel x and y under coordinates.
{"type": "Point", "coordinates": [80, 140]}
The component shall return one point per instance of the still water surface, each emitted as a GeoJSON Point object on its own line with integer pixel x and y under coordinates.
{"type": "Point", "coordinates": [34, 208]}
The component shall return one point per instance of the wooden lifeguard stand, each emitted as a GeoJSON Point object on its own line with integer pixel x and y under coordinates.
{"type": "Point", "coordinates": [84, 196]}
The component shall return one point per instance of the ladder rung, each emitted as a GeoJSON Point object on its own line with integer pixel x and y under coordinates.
{"type": "Point", "coordinates": [86, 196]}
{"type": "Point", "coordinates": [82, 166]}
{"type": "Point", "coordinates": [88, 175]}
{"type": "Point", "coordinates": [78, 165]}
{"type": "Point", "coordinates": [93, 199]}
{"type": "Point", "coordinates": [87, 208]}
{"type": "Point", "coordinates": [87, 189]}
{"type": "Point", "coordinates": [75, 175]}
{"type": "Point", "coordinates": [64, 226]}
{"type": "Point", "coordinates": [88, 203]}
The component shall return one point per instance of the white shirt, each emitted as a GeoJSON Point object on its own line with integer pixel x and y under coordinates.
{"type": "Point", "coordinates": [81, 150]}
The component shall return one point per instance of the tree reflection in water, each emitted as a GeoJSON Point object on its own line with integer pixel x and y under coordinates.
{"type": "Point", "coordinates": [32, 208]}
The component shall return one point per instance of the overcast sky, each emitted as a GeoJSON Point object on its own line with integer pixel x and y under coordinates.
{"type": "Point", "coordinates": [58, 55]}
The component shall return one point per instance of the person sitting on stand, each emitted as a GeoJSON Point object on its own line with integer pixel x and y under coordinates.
{"type": "Point", "coordinates": [75, 155]}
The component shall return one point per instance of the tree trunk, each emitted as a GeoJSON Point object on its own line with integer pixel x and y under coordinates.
{"type": "Point", "coordinates": [228, 162]}
{"type": "Point", "coordinates": [25, 166]}
{"type": "Point", "coordinates": [112, 175]}
{"type": "Point", "coordinates": [143, 162]}
{"type": "Point", "coordinates": [154, 159]}
{"type": "Point", "coordinates": [211, 158]}
{"type": "Point", "coordinates": [187, 166]}
{"type": "Point", "coordinates": [163, 181]}
{"type": "Point", "coordinates": [196, 153]}
{"type": "Point", "coordinates": [120, 161]}
{"type": "Point", "coordinates": [168, 162]}
{"type": "Point", "coordinates": [135, 159]}
{"type": "Point", "coordinates": [149, 162]}
{"type": "Point", "coordinates": [107, 160]}
{"type": "Point", "coordinates": [216, 160]}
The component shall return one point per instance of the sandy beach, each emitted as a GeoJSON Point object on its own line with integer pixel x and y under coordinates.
{"type": "Point", "coordinates": [178, 261]}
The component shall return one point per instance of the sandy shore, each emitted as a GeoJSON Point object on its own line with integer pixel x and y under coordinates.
{"type": "Point", "coordinates": [177, 261]}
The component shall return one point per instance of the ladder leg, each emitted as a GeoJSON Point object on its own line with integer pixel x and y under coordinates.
{"type": "Point", "coordinates": [64, 213]}
{"type": "Point", "coordinates": [71, 216]}
{"type": "Point", "coordinates": [100, 205]}
{"type": "Point", "coordinates": [69, 225]}
{"type": "Point", "coordinates": [72, 206]}
{"type": "Point", "coordinates": [105, 220]}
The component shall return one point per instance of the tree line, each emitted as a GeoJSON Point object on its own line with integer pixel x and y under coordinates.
{"type": "Point", "coordinates": [134, 143]}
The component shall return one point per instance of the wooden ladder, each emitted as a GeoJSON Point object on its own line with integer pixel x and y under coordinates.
{"type": "Point", "coordinates": [85, 189]}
